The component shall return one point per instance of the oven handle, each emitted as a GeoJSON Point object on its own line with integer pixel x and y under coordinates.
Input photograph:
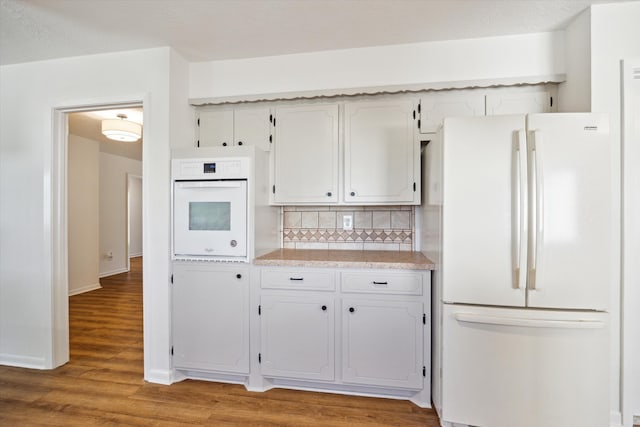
{"type": "Point", "coordinates": [209, 184]}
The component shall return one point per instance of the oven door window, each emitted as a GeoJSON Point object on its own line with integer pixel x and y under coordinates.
{"type": "Point", "coordinates": [210, 216]}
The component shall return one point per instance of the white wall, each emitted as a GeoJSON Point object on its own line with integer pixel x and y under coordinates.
{"type": "Point", "coordinates": [614, 36]}
{"type": "Point", "coordinates": [575, 93]}
{"type": "Point", "coordinates": [135, 216]}
{"type": "Point", "coordinates": [83, 190]}
{"type": "Point", "coordinates": [516, 56]}
{"type": "Point", "coordinates": [631, 242]}
{"type": "Point", "coordinates": [114, 171]}
{"type": "Point", "coordinates": [30, 283]}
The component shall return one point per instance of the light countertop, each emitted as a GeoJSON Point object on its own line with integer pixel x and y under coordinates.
{"type": "Point", "coordinates": [346, 259]}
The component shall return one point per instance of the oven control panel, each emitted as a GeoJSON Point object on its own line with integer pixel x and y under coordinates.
{"type": "Point", "coordinates": [222, 168]}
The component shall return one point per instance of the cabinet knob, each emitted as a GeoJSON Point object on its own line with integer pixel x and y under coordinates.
{"type": "Point", "coordinates": [353, 193]}
{"type": "Point", "coordinates": [239, 142]}
{"type": "Point", "coordinates": [324, 308]}
{"type": "Point", "coordinates": [328, 193]}
{"type": "Point", "coordinates": [351, 309]}
{"type": "Point", "coordinates": [224, 144]}
{"type": "Point", "coordinates": [238, 276]}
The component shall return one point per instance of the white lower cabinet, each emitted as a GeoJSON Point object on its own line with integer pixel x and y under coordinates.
{"type": "Point", "coordinates": [297, 336]}
{"type": "Point", "coordinates": [382, 343]}
{"type": "Point", "coordinates": [210, 317]}
{"type": "Point", "coordinates": [368, 335]}
{"type": "Point", "coordinates": [354, 331]}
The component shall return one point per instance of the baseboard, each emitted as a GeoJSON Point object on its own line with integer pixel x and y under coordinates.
{"type": "Point", "coordinates": [615, 419]}
{"type": "Point", "coordinates": [84, 289]}
{"type": "Point", "coordinates": [136, 255]}
{"type": "Point", "coordinates": [159, 376]}
{"type": "Point", "coordinates": [111, 273]}
{"type": "Point", "coordinates": [22, 361]}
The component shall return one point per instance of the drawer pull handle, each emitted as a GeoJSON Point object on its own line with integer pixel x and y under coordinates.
{"type": "Point", "coordinates": [380, 283]}
{"type": "Point", "coordinates": [324, 308]}
{"type": "Point", "coordinates": [297, 278]}
{"type": "Point", "coordinates": [351, 309]}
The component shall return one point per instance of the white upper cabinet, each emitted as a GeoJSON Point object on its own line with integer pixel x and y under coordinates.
{"type": "Point", "coordinates": [435, 107]}
{"type": "Point", "coordinates": [216, 128]}
{"type": "Point", "coordinates": [381, 153]}
{"type": "Point", "coordinates": [250, 126]}
{"type": "Point", "coordinates": [520, 102]}
{"type": "Point", "coordinates": [305, 154]}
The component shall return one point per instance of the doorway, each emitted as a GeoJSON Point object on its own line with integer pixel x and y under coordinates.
{"type": "Point", "coordinates": [62, 216]}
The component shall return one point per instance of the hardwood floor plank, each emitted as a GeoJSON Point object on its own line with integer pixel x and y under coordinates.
{"type": "Point", "coordinates": [103, 382]}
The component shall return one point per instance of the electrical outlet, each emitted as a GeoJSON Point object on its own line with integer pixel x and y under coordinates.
{"type": "Point", "coordinates": [347, 222]}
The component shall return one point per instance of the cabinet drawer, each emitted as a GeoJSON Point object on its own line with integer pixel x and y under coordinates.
{"type": "Point", "coordinates": [313, 280]}
{"type": "Point", "coordinates": [383, 283]}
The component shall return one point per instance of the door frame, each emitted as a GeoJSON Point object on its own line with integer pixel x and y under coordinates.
{"type": "Point", "coordinates": [130, 177]}
{"type": "Point", "coordinates": [56, 218]}
{"type": "Point", "coordinates": [630, 156]}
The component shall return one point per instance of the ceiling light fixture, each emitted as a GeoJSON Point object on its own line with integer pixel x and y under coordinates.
{"type": "Point", "coordinates": [121, 129]}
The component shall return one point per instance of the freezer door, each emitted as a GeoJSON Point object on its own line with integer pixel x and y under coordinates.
{"type": "Point", "coordinates": [528, 368]}
{"type": "Point", "coordinates": [570, 229]}
{"type": "Point", "coordinates": [484, 210]}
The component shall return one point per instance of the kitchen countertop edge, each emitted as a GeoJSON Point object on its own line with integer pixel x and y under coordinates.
{"type": "Point", "coordinates": [400, 260]}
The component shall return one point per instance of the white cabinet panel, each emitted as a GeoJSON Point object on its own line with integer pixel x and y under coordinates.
{"type": "Point", "coordinates": [382, 282]}
{"type": "Point", "coordinates": [252, 127]}
{"type": "Point", "coordinates": [210, 318]}
{"type": "Point", "coordinates": [297, 337]}
{"type": "Point", "coordinates": [216, 128]}
{"type": "Point", "coordinates": [519, 102]}
{"type": "Point", "coordinates": [382, 343]}
{"type": "Point", "coordinates": [301, 279]}
{"type": "Point", "coordinates": [381, 153]}
{"type": "Point", "coordinates": [435, 107]}
{"type": "Point", "coordinates": [306, 154]}
{"type": "Point", "coordinates": [235, 127]}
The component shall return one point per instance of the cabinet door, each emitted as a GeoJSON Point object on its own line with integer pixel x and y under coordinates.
{"type": "Point", "coordinates": [216, 128]}
{"type": "Point", "coordinates": [380, 153]}
{"type": "Point", "coordinates": [211, 318]}
{"type": "Point", "coordinates": [434, 108]}
{"type": "Point", "coordinates": [382, 343]}
{"type": "Point", "coordinates": [297, 337]}
{"type": "Point", "coordinates": [306, 154]}
{"type": "Point", "coordinates": [539, 101]}
{"type": "Point", "coordinates": [252, 127]}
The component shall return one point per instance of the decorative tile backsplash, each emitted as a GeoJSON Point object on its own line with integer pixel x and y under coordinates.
{"type": "Point", "coordinates": [374, 227]}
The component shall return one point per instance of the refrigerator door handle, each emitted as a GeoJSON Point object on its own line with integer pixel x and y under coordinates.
{"type": "Point", "coordinates": [518, 189]}
{"type": "Point", "coordinates": [536, 207]}
{"type": "Point", "coordinates": [529, 323]}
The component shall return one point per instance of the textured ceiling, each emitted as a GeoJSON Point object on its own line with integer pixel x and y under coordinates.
{"type": "Point", "coordinates": [203, 30]}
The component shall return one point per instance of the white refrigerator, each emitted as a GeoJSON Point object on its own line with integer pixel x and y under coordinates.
{"type": "Point", "coordinates": [517, 215]}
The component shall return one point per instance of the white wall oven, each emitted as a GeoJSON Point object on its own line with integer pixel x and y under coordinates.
{"type": "Point", "coordinates": [210, 209]}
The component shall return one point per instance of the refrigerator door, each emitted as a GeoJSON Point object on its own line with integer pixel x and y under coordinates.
{"type": "Point", "coordinates": [529, 368]}
{"type": "Point", "coordinates": [570, 228]}
{"type": "Point", "coordinates": [484, 210]}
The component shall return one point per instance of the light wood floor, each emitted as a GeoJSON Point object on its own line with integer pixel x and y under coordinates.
{"type": "Point", "coordinates": [102, 383]}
